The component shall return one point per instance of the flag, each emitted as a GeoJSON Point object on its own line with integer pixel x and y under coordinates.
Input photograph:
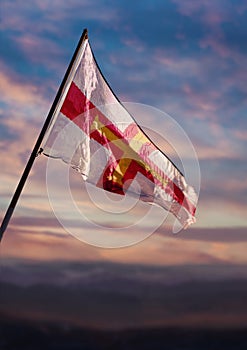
{"type": "Point", "coordinates": [95, 134]}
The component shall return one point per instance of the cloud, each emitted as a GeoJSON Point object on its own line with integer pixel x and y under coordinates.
{"type": "Point", "coordinates": [241, 134]}
{"type": "Point", "coordinates": [45, 14]}
{"type": "Point", "coordinates": [213, 15]}
{"type": "Point", "coordinates": [191, 65]}
{"type": "Point", "coordinates": [217, 235]}
{"type": "Point", "coordinates": [41, 50]}
{"type": "Point", "coordinates": [15, 92]}
{"type": "Point", "coordinates": [37, 243]}
{"type": "Point", "coordinates": [17, 150]}
{"type": "Point", "coordinates": [42, 238]}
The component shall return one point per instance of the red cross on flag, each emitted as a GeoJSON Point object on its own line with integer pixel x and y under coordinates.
{"type": "Point", "coordinates": [100, 139]}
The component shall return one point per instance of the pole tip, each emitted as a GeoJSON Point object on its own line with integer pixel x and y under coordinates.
{"type": "Point", "coordinates": [85, 33]}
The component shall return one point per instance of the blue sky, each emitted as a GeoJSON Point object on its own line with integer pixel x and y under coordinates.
{"type": "Point", "coordinates": [187, 58]}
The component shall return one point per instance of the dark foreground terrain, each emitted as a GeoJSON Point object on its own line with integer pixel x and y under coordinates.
{"type": "Point", "coordinates": [92, 306]}
{"type": "Point", "coordinates": [17, 335]}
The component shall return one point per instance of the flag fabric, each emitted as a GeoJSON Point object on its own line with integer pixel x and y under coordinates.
{"type": "Point", "coordinates": [95, 134]}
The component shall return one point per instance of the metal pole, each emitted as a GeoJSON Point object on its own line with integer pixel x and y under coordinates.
{"type": "Point", "coordinates": [36, 148]}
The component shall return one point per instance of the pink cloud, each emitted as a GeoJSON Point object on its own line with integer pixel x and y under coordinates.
{"type": "Point", "coordinates": [17, 92]}
{"type": "Point", "coordinates": [172, 62]}
{"type": "Point", "coordinates": [216, 44]}
{"type": "Point", "coordinates": [240, 134]}
{"type": "Point", "coordinates": [40, 50]}
{"type": "Point", "coordinates": [22, 117]}
{"type": "Point", "coordinates": [190, 7]}
{"type": "Point", "coordinates": [134, 43]}
{"type": "Point", "coordinates": [221, 211]}
{"type": "Point", "coordinates": [39, 243]}
{"type": "Point", "coordinates": [212, 14]}
{"type": "Point", "coordinates": [203, 102]}
{"type": "Point", "coordinates": [41, 239]}
{"type": "Point", "coordinates": [23, 17]}
{"type": "Point", "coordinates": [17, 150]}
{"type": "Point", "coordinates": [218, 144]}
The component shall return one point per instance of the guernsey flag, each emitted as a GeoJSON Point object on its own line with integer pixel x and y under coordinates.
{"type": "Point", "coordinates": [94, 133]}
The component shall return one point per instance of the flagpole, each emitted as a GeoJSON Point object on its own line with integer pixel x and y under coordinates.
{"type": "Point", "coordinates": [36, 148]}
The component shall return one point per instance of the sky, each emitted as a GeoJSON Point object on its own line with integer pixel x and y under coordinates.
{"type": "Point", "coordinates": [185, 58]}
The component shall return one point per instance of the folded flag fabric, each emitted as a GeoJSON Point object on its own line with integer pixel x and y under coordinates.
{"type": "Point", "coordinates": [95, 134]}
